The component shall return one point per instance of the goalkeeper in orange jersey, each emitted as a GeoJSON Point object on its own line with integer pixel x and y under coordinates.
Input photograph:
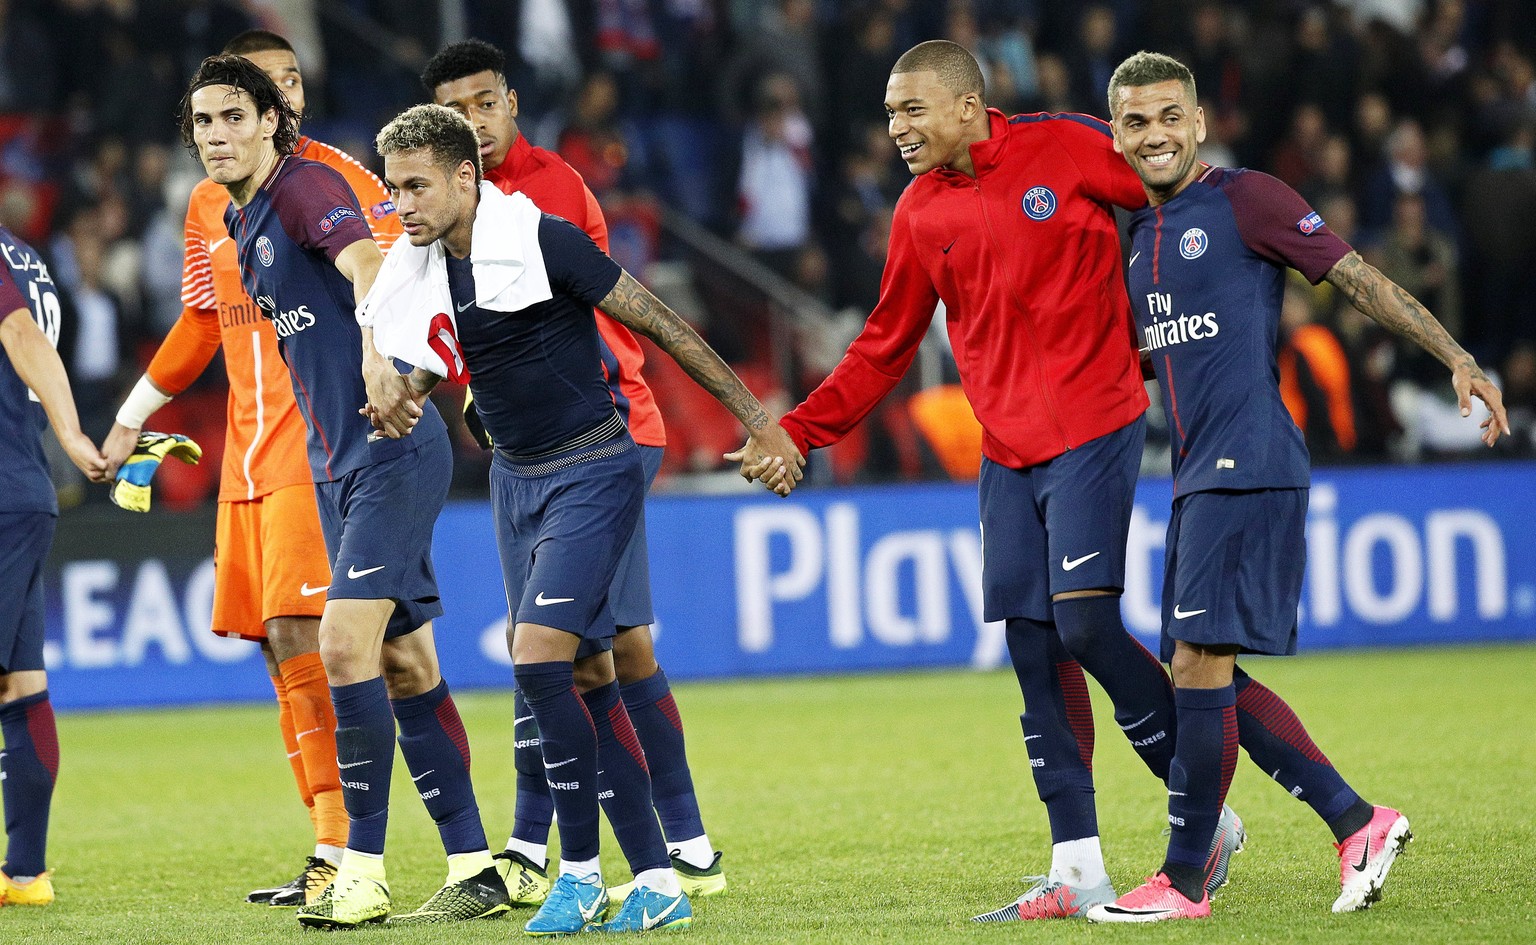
{"type": "Point", "coordinates": [270, 559]}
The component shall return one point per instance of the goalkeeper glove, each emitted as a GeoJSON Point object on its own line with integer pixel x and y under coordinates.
{"type": "Point", "coordinates": [131, 490]}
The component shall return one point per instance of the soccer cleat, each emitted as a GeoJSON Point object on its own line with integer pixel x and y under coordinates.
{"type": "Point", "coordinates": [531, 884]}
{"type": "Point", "coordinates": [697, 883]}
{"type": "Point", "coordinates": [1152, 901]}
{"type": "Point", "coordinates": [573, 905]}
{"type": "Point", "coordinates": [1229, 839]}
{"type": "Point", "coordinates": [646, 910]}
{"type": "Point", "coordinates": [305, 887]}
{"type": "Point", "coordinates": [1366, 856]}
{"type": "Point", "coordinates": [482, 896]}
{"type": "Point", "coordinates": [37, 892]}
{"type": "Point", "coordinates": [1051, 900]}
{"type": "Point", "coordinates": [347, 903]}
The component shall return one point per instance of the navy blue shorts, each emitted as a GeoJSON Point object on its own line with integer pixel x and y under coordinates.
{"type": "Point", "coordinates": [630, 596]}
{"type": "Point", "coordinates": [561, 528]}
{"type": "Point", "coordinates": [28, 536]}
{"type": "Point", "coordinates": [378, 524]}
{"type": "Point", "coordinates": [1058, 526]}
{"type": "Point", "coordinates": [1234, 568]}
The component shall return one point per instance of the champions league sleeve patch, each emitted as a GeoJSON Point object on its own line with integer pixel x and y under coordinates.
{"type": "Point", "coordinates": [381, 210]}
{"type": "Point", "coordinates": [329, 221]}
{"type": "Point", "coordinates": [1310, 224]}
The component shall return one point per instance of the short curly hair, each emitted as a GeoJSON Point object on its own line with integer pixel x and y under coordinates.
{"type": "Point", "coordinates": [459, 60]}
{"type": "Point", "coordinates": [244, 76]}
{"type": "Point", "coordinates": [442, 131]}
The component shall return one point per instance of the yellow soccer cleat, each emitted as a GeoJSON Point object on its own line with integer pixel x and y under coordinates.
{"type": "Point", "coordinates": [38, 892]}
{"type": "Point", "coordinates": [697, 883]}
{"type": "Point", "coordinates": [350, 902]}
{"type": "Point", "coordinates": [527, 883]}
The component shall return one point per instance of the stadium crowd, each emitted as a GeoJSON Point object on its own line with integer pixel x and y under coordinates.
{"type": "Point", "coordinates": [1409, 124]}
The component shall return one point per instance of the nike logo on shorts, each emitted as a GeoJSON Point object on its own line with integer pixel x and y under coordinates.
{"type": "Point", "coordinates": [543, 601]}
{"type": "Point", "coordinates": [306, 591]}
{"type": "Point", "coordinates": [1069, 564]}
{"type": "Point", "coordinates": [354, 573]}
{"type": "Point", "coordinates": [1181, 614]}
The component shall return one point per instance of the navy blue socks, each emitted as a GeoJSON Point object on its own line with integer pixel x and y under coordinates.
{"type": "Point", "coordinates": [624, 782]}
{"type": "Point", "coordinates": [1199, 777]}
{"type": "Point", "coordinates": [365, 757]}
{"type": "Point", "coordinates": [654, 714]}
{"type": "Point", "coordinates": [569, 744]}
{"type": "Point", "coordinates": [30, 765]}
{"type": "Point", "coordinates": [535, 809]}
{"type": "Point", "coordinates": [1058, 727]}
{"type": "Point", "coordinates": [436, 751]}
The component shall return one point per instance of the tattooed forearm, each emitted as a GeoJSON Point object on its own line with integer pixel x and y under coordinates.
{"type": "Point", "coordinates": [1392, 307]}
{"type": "Point", "coordinates": [632, 305]}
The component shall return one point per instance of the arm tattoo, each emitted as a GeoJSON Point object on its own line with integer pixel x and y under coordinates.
{"type": "Point", "coordinates": [632, 305]}
{"type": "Point", "coordinates": [1392, 307]}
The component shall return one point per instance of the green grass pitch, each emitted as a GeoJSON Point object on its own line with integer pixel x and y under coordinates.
{"type": "Point", "coordinates": [855, 809]}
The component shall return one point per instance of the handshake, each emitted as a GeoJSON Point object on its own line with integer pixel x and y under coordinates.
{"type": "Point", "coordinates": [770, 456]}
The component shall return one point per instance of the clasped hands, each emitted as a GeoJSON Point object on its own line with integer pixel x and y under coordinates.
{"type": "Point", "coordinates": [770, 456]}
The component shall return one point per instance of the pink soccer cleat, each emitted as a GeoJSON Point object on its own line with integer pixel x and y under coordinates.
{"type": "Point", "coordinates": [1152, 901]}
{"type": "Point", "coordinates": [1366, 856]}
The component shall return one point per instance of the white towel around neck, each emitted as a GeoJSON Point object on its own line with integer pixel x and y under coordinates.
{"type": "Point", "coordinates": [411, 291]}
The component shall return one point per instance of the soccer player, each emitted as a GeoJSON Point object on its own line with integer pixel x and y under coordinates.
{"type": "Point", "coordinates": [305, 255]}
{"type": "Point", "coordinates": [470, 77]}
{"type": "Point", "coordinates": [34, 390]}
{"type": "Point", "coordinates": [567, 484]}
{"type": "Point", "coordinates": [269, 554]}
{"type": "Point", "coordinates": [1009, 221]}
{"type": "Point", "coordinates": [1207, 274]}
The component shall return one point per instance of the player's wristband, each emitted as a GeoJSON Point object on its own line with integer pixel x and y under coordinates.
{"type": "Point", "coordinates": [143, 401]}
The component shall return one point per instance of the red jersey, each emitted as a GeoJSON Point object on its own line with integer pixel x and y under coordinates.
{"type": "Point", "coordinates": [556, 188]}
{"type": "Point", "coordinates": [1026, 258]}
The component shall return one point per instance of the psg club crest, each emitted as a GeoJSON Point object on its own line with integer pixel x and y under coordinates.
{"type": "Point", "coordinates": [1039, 203]}
{"type": "Point", "coordinates": [264, 251]}
{"type": "Point", "coordinates": [1193, 243]}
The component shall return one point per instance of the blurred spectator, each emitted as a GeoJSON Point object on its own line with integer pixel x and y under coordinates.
{"type": "Point", "coordinates": [1295, 161]}
{"type": "Point", "coordinates": [1498, 207]}
{"type": "Point", "coordinates": [1093, 60]}
{"type": "Point", "coordinates": [777, 177]}
{"type": "Point", "coordinates": [28, 78]}
{"type": "Point", "coordinates": [1519, 372]}
{"type": "Point", "coordinates": [1423, 261]}
{"type": "Point", "coordinates": [859, 71]}
{"type": "Point", "coordinates": [1405, 170]}
{"type": "Point", "coordinates": [784, 39]}
{"type": "Point", "coordinates": [1314, 380]}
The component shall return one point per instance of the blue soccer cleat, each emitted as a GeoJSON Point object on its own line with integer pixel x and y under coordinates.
{"type": "Point", "coordinates": [573, 905]}
{"type": "Point", "coordinates": [646, 910]}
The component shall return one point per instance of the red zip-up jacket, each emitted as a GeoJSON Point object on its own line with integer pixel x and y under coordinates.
{"type": "Point", "coordinates": [1026, 257]}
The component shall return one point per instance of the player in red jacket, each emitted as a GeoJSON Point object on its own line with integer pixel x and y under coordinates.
{"type": "Point", "coordinates": [1009, 222]}
{"type": "Point", "coordinates": [470, 77]}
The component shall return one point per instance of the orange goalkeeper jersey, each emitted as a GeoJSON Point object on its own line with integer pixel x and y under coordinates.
{"type": "Point", "coordinates": [264, 440]}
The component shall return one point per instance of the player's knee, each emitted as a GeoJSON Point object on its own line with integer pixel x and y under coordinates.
{"type": "Point", "coordinates": [288, 637]}
{"type": "Point", "coordinates": [1082, 616]}
{"type": "Point", "coordinates": [634, 657]}
{"type": "Point", "coordinates": [19, 685]}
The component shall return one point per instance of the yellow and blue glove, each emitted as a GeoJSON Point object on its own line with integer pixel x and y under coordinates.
{"type": "Point", "coordinates": [131, 490]}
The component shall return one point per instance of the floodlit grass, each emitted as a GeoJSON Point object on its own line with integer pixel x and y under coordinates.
{"type": "Point", "coordinates": [852, 809]}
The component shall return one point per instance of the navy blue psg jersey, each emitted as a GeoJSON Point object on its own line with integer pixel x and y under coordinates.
{"type": "Point", "coordinates": [26, 291]}
{"type": "Point", "coordinates": [1206, 279]}
{"type": "Point", "coordinates": [536, 373]}
{"type": "Point", "coordinates": [288, 238]}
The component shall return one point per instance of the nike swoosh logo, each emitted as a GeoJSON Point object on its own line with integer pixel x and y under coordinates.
{"type": "Point", "coordinates": [308, 732]}
{"type": "Point", "coordinates": [1068, 564]}
{"type": "Point", "coordinates": [1181, 614]}
{"type": "Point", "coordinates": [1365, 857]}
{"type": "Point", "coordinates": [521, 720]}
{"type": "Point", "coordinates": [590, 912]}
{"type": "Point", "coordinates": [946, 252]}
{"type": "Point", "coordinates": [543, 601]}
{"type": "Point", "coordinates": [648, 921]}
{"type": "Point", "coordinates": [1028, 737]}
{"type": "Point", "coordinates": [558, 764]}
{"type": "Point", "coordinates": [423, 774]}
{"type": "Point", "coordinates": [214, 246]}
{"type": "Point", "coordinates": [460, 308]}
{"type": "Point", "coordinates": [354, 573]}
{"type": "Point", "coordinates": [1133, 259]}
{"type": "Point", "coordinates": [1127, 728]}
{"type": "Point", "coordinates": [354, 764]}
{"type": "Point", "coordinates": [306, 591]}
{"type": "Point", "coordinates": [1177, 794]}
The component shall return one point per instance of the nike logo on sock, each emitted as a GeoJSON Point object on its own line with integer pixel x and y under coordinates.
{"type": "Point", "coordinates": [308, 732]}
{"type": "Point", "coordinates": [522, 719]}
{"type": "Point", "coordinates": [353, 764]}
{"type": "Point", "coordinates": [558, 764]}
{"type": "Point", "coordinates": [1127, 728]}
{"type": "Point", "coordinates": [1028, 737]}
{"type": "Point", "coordinates": [423, 774]}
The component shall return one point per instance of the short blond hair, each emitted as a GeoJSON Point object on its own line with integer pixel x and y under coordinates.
{"type": "Point", "coordinates": [442, 131]}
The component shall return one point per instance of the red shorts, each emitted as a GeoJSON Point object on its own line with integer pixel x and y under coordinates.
{"type": "Point", "coordinates": [269, 561]}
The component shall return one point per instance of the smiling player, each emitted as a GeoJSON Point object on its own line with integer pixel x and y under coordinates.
{"type": "Point", "coordinates": [1207, 276]}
